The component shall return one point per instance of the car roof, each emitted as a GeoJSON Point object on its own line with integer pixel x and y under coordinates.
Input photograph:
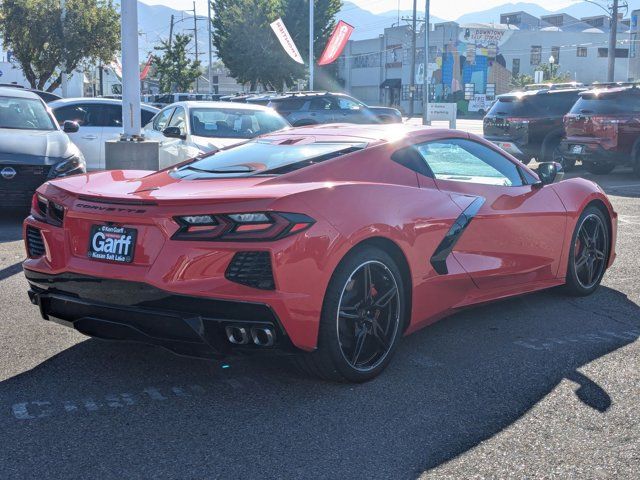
{"type": "Point", "coordinates": [543, 91]}
{"type": "Point", "coordinates": [17, 93]}
{"type": "Point", "coordinates": [95, 100]}
{"type": "Point", "coordinates": [302, 95]}
{"type": "Point", "coordinates": [219, 105]}
{"type": "Point", "coordinates": [611, 91]}
{"type": "Point", "coordinates": [349, 132]}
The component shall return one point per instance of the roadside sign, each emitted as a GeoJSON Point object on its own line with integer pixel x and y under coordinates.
{"type": "Point", "coordinates": [443, 111]}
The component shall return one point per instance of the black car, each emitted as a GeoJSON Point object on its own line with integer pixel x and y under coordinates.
{"type": "Point", "coordinates": [33, 148]}
{"type": "Point", "coordinates": [311, 108]}
{"type": "Point", "coordinates": [530, 124]}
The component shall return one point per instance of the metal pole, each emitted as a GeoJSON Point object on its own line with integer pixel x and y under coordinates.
{"type": "Point", "coordinates": [210, 47]}
{"type": "Point", "coordinates": [310, 44]}
{"type": "Point", "coordinates": [171, 33]}
{"type": "Point", "coordinates": [130, 70]}
{"type": "Point", "coordinates": [195, 38]}
{"type": "Point", "coordinates": [425, 88]}
{"type": "Point", "coordinates": [65, 81]}
{"type": "Point", "coordinates": [612, 42]}
{"type": "Point", "coordinates": [412, 79]}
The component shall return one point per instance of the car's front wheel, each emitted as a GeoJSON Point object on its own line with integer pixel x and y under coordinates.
{"type": "Point", "coordinates": [362, 318]}
{"type": "Point", "coordinates": [589, 253]}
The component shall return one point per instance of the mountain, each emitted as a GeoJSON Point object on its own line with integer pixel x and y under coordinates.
{"type": "Point", "coordinates": [370, 25]}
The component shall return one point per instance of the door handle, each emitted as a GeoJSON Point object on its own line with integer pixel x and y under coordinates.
{"type": "Point", "coordinates": [90, 137]}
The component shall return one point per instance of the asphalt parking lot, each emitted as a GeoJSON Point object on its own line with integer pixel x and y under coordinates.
{"type": "Point", "coordinates": [539, 386]}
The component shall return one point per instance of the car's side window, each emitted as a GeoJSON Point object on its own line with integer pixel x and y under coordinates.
{"type": "Point", "coordinates": [146, 116]}
{"type": "Point", "coordinates": [346, 103]}
{"type": "Point", "coordinates": [179, 119]}
{"type": "Point", "coordinates": [85, 115]}
{"type": "Point", "coordinates": [320, 104]}
{"type": "Point", "coordinates": [161, 120]}
{"type": "Point", "coordinates": [463, 160]}
{"type": "Point", "coordinates": [113, 116]}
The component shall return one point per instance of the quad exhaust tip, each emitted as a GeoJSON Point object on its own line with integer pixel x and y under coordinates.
{"type": "Point", "coordinates": [261, 336]}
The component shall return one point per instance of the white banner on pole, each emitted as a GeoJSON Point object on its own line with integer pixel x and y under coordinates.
{"type": "Point", "coordinates": [286, 41]}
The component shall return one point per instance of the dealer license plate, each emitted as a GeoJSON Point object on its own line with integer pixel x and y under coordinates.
{"type": "Point", "coordinates": [112, 243]}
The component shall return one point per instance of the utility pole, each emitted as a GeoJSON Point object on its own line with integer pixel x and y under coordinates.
{"type": "Point", "coordinates": [425, 88]}
{"type": "Point", "coordinates": [210, 18]}
{"type": "Point", "coordinates": [195, 38]}
{"type": "Point", "coordinates": [171, 33]}
{"type": "Point", "coordinates": [310, 44]}
{"type": "Point", "coordinates": [65, 81]}
{"type": "Point", "coordinates": [613, 30]}
{"type": "Point", "coordinates": [412, 80]}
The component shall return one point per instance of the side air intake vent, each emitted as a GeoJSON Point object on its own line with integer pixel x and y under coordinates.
{"type": "Point", "coordinates": [35, 244]}
{"type": "Point", "coordinates": [252, 269]}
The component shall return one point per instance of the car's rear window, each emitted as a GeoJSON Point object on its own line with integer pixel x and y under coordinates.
{"type": "Point", "coordinates": [234, 123]}
{"type": "Point", "coordinates": [552, 103]}
{"type": "Point", "coordinates": [264, 157]}
{"type": "Point", "coordinates": [607, 104]}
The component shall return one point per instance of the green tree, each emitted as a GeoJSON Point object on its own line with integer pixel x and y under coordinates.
{"type": "Point", "coordinates": [175, 71]}
{"type": "Point", "coordinates": [249, 48]}
{"type": "Point", "coordinates": [45, 46]}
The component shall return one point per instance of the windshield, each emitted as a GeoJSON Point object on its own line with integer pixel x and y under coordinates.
{"type": "Point", "coordinates": [264, 157]}
{"type": "Point", "coordinates": [607, 104]}
{"type": "Point", "coordinates": [25, 114]}
{"type": "Point", "coordinates": [234, 123]}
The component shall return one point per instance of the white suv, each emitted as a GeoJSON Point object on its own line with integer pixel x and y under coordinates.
{"type": "Point", "coordinates": [100, 120]}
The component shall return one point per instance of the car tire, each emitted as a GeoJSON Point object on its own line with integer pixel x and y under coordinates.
{"type": "Point", "coordinates": [599, 168]}
{"type": "Point", "coordinates": [337, 355]}
{"type": "Point", "coordinates": [551, 153]}
{"type": "Point", "coordinates": [588, 257]}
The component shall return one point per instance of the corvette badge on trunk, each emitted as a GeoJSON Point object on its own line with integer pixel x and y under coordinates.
{"type": "Point", "coordinates": [112, 243]}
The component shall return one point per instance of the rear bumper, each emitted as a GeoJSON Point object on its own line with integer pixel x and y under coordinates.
{"type": "Point", "coordinates": [125, 310]}
{"type": "Point", "coordinates": [591, 152]}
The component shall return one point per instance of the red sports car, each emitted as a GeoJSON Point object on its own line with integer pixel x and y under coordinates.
{"type": "Point", "coordinates": [327, 242]}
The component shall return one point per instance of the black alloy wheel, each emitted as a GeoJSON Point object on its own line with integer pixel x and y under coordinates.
{"type": "Point", "coordinates": [362, 318]}
{"type": "Point", "coordinates": [590, 253]}
{"type": "Point", "coordinates": [368, 316]}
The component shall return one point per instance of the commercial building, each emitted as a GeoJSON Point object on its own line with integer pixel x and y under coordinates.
{"type": "Point", "coordinates": [482, 59]}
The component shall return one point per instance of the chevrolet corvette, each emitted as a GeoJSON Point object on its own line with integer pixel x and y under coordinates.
{"type": "Point", "coordinates": [328, 243]}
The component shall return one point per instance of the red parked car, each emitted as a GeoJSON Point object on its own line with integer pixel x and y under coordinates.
{"type": "Point", "coordinates": [603, 129]}
{"type": "Point", "coordinates": [327, 242]}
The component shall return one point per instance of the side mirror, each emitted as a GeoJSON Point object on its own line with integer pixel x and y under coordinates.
{"type": "Point", "coordinates": [70, 127]}
{"type": "Point", "coordinates": [174, 132]}
{"type": "Point", "coordinates": [549, 172]}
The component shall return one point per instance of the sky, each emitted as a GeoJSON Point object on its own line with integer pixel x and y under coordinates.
{"type": "Point", "coordinates": [446, 9]}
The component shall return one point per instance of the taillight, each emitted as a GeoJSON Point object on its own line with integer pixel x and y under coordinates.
{"type": "Point", "coordinates": [47, 210]}
{"type": "Point", "coordinates": [241, 227]}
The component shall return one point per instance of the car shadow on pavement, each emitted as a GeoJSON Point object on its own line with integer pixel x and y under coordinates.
{"type": "Point", "coordinates": [11, 225]}
{"type": "Point", "coordinates": [140, 412]}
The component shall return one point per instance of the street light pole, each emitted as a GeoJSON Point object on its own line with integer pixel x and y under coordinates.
{"type": "Point", "coordinates": [210, 48]}
{"type": "Point", "coordinates": [310, 44]}
{"type": "Point", "coordinates": [412, 78]}
{"type": "Point", "coordinates": [425, 87]}
{"type": "Point", "coordinates": [613, 30]}
{"type": "Point", "coordinates": [130, 70]}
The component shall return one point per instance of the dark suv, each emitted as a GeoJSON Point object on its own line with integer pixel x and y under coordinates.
{"type": "Point", "coordinates": [529, 124]}
{"type": "Point", "coordinates": [310, 108]}
{"type": "Point", "coordinates": [603, 129]}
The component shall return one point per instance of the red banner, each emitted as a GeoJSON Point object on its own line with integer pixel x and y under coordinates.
{"type": "Point", "coordinates": [147, 67]}
{"type": "Point", "coordinates": [336, 43]}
